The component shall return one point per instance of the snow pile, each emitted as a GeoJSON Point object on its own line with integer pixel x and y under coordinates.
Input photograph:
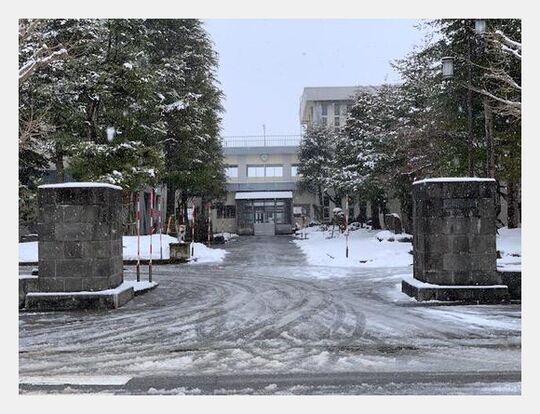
{"type": "Point", "coordinates": [28, 252]}
{"type": "Point", "coordinates": [509, 246]}
{"type": "Point", "coordinates": [139, 286]}
{"type": "Point", "coordinates": [364, 249]}
{"type": "Point", "coordinates": [204, 254]}
{"type": "Point", "coordinates": [130, 246]}
{"type": "Point", "coordinates": [387, 235]}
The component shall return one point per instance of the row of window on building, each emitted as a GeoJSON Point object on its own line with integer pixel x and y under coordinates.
{"type": "Point", "coordinates": [299, 210]}
{"type": "Point", "coordinates": [231, 171]}
{"type": "Point", "coordinates": [230, 211]}
{"type": "Point", "coordinates": [340, 110]}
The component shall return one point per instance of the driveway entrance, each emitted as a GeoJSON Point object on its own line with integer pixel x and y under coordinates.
{"type": "Point", "coordinates": [265, 311]}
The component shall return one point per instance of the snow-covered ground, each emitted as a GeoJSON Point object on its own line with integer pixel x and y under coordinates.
{"type": "Point", "coordinates": [265, 310]}
{"type": "Point", "coordinates": [201, 253]}
{"type": "Point", "coordinates": [509, 245]}
{"type": "Point", "coordinates": [373, 248]}
{"type": "Point", "coordinates": [28, 252]}
{"type": "Point", "coordinates": [365, 250]}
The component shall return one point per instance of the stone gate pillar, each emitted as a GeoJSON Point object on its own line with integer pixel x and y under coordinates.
{"type": "Point", "coordinates": [80, 247]}
{"type": "Point", "coordinates": [454, 244]}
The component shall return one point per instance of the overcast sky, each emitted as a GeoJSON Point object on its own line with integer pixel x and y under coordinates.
{"type": "Point", "coordinates": [265, 64]}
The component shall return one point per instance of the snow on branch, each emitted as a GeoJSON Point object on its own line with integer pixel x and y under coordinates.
{"type": "Point", "coordinates": [512, 107]}
{"type": "Point", "coordinates": [506, 44]}
{"type": "Point", "coordinates": [509, 42]}
{"type": "Point", "coordinates": [26, 28]}
{"type": "Point", "coordinates": [41, 58]}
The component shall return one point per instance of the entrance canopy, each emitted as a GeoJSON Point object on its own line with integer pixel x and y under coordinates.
{"type": "Point", "coordinates": [263, 195]}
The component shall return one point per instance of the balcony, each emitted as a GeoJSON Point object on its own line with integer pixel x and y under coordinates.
{"type": "Point", "coordinates": [258, 141]}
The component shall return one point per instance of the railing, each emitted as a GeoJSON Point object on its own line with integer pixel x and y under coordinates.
{"type": "Point", "coordinates": [261, 141]}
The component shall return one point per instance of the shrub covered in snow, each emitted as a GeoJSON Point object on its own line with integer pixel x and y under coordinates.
{"type": "Point", "coordinates": [387, 235]}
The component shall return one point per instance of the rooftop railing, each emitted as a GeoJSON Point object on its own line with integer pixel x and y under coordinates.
{"type": "Point", "coordinates": [261, 141]}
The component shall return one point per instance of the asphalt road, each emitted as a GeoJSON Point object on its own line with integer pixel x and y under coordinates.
{"type": "Point", "coordinates": [264, 321]}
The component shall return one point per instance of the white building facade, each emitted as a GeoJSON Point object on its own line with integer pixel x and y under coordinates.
{"type": "Point", "coordinates": [262, 193]}
{"type": "Point", "coordinates": [263, 197]}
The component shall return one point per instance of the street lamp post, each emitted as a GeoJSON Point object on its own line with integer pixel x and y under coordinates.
{"type": "Point", "coordinates": [447, 67]}
{"type": "Point", "coordinates": [480, 26]}
{"type": "Point", "coordinates": [448, 73]}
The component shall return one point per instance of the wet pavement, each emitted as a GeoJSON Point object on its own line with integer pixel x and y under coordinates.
{"type": "Point", "coordinates": [208, 328]}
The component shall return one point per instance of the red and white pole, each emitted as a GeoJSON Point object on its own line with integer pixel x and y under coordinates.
{"type": "Point", "coordinates": [193, 229]}
{"type": "Point", "coordinates": [151, 233]}
{"type": "Point", "coordinates": [160, 224]}
{"type": "Point", "coordinates": [138, 221]}
{"type": "Point", "coordinates": [347, 226]}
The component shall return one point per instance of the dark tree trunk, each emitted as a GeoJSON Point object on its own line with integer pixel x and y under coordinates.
{"type": "Point", "coordinates": [513, 205]}
{"type": "Point", "coordinates": [382, 206]}
{"type": "Point", "coordinates": [375, 221]}
{"type": "Point", "coordinates": [170, 209]}
{"type": "Point", "coordinates": [319, 210]}
{"type": "Point", "coordinates": [183, 216]}
{"type": "Point", "coordinates": [337, 201]}
{"type": "Point", "coordinates": [490, 144]}
{"type": "Point", "coordinates": [404, 194]}
{"type": "Point", "coordinates": [91, 120]}
{"type": "Point", "coordinates": [362, 212]}
{"type": "Point", "coordinates": [59, 162]}
{"type": "Point", "coordinates": [184, 206]}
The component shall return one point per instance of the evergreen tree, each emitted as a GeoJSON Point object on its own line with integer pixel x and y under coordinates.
{"type": "Point", "coordinates": [316, 156]}
{"type": "Point", "coordinates": [130, 102]}
{"type": "Point", "coordinates": [191, 106]}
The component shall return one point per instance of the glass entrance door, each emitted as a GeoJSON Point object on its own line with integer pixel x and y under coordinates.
{"type": "Point", "coordinates": [259, 215]}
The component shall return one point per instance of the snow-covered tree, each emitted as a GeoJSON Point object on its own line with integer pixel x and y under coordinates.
{"type": "Point", "coordinates": [131, 164]}
{"type": "Point", "coordinates": [38, 48]}
{"type": "Point", "coordinates": [144, 84]}
{"type": "Point", "coordinates": [190, 102]}
{"type": "Point", "coordinates": [316, 155]}
{"type": "Point", "coordinates": [502, 75]}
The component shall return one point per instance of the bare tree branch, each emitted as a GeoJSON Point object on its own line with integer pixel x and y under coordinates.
{"type": "Point", "coordinates": [38, 61]}
{"type": "Point", "coordinates": [26, 28]}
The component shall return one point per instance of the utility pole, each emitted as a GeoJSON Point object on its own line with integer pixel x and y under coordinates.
{"type": "Point", "coordinates": [490, 144]}
{"type": "Point", "coordinates": [264, 133]}
{"type": "Point", "coordinates": [470, 139]}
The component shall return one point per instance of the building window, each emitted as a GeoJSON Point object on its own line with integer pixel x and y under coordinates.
{"type": "Point", "coordinates": [274, 171]}
{"type": "Point", "coordinates": [324, 109]}
{"type": "Point", "coordinates": [336, 121]}
{"type": "Point", "coordinates": [226, 212]}
{"type": "Point", "coordinates": [265, 171]}
{"type": "Point", "coordinates": [255, 170]}
{"type": "Point", "coordinates": [324, 120]}
{"type": "Point", "coordinates": [337, 108]}
{"type": "Point", "coordinates": [231, 171]}
{"type": "Point", "coordinates": [294, 170]}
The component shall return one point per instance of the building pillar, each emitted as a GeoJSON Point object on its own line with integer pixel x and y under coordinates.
{"type": "Point", "coordinates": [454, 241]}
{"type": "Point", "coordinates": [80, 247]}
